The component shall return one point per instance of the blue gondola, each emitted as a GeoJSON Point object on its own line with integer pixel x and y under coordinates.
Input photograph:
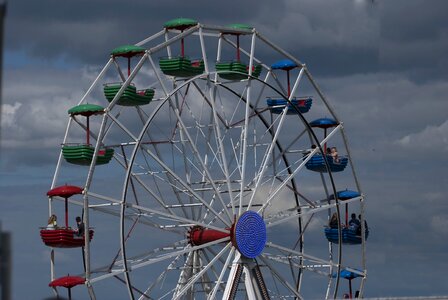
{"type": "Point", "coordinates": [285, 64]}
{"type": "Point", "coordinates": [317, 164]}
{"type": "Point", "coordinates": [346, 195]}
{"type": "Point", "coordinates": [347, 274]}
{"type": "Point", "coordinates": [349, 236]}
{"type": "Point", "coordinates": [324, 123]}
{"type": "Point", "coordinates": [277, 105]}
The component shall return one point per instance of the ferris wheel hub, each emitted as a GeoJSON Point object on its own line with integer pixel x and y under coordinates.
{"type": "Point", "coordinates": [249, 235]}
{"type": "Point", "coordinates": [198, 235]}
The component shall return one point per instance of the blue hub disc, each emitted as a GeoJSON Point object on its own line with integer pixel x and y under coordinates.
{"type": "Point", "coordinates": [250, 234]}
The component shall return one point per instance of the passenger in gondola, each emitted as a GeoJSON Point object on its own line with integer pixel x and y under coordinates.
{"type": "Point", "coordinates": [333, 221]}
{"type": "Point", "coordinates": [366, 228]}
{"type": "Point", "coordinates": [52, 222]}
{"type": "Point", "coordinates": [80, 230]}
{"type": "Point", "coordinates": [354, 223]}
{"type": "Point", "coordinates": [334, 155]}
{"type": "Point", "coordinates": [308, 151]}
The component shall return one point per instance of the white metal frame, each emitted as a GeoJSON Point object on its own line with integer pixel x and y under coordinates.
{"type": "Point", "coordinates": [208, 145]}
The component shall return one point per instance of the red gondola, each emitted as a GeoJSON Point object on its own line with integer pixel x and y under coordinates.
{"type": "Point", "coordinates": [68, 282]}
{"type": "Point", "coordinates": [64, 237]}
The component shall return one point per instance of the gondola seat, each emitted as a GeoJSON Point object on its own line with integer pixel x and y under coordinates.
{"type": "Point", "coordinates": [236, 70]}
{"type": "Point", "coordinates": [63, 238]}
{"type": "Point", "coordinates": [303, 105]}
{"type": "Point", "coordinates": [83, 154]}
{"type": "Point", "coordinates": [130, 97]}
{"type": "Point", "coordinates": [181, 66]}
{"type": "Point", "coordinates": [317, 164]}
{"type": "Point", "coordinates": [349, 236]}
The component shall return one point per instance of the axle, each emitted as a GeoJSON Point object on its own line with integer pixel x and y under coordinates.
{"type": "Point", "coordinates": [199, 235]}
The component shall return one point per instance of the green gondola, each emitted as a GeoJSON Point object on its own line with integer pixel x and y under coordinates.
{"type": "Point", "coordinates": [83, 154]}
{"type": "Point", "coordinates": [130, 96]}
{"type": "Point", "coordinates": [181, 66]}
{"type": "Point", "coordinates": [236, 70]}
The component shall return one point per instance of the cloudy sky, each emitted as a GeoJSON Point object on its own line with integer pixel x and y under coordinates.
{"type": "Point", "coordinates": [382, 64]}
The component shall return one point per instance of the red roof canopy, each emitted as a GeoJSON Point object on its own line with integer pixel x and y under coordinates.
{"type": "Point", "coordinates": [67, 281]}
{"type": "Point", "coordinates": [65, 191]}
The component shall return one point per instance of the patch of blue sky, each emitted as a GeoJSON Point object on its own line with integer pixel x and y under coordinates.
{"type": "Point", "coordinates": [20, 59]}
{"type": "Point", "coordinates": [33, 176]}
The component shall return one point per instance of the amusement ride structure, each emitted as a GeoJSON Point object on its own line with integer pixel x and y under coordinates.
{"type": "Point", "coordinates": [212, 181]}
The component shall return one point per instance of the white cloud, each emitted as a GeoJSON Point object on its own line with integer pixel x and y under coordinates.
{"type": "Point", "coordinates": [8, 113]}
{"type": "Point", "coordinates": [312, 29]}
{"type": "Point", "coordinates": [440, 225]}
{"type": "Point", "coordinates": [36, 102]}
{"type": "Point", "coordinates": [432, 138]}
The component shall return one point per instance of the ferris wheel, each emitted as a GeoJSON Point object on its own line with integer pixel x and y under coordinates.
{"type": "Point", "coordinates": [211, 180]}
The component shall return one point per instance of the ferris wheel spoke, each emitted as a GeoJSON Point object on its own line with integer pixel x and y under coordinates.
{"type": "Point", "coordinates": [263, 166]}
{"type": "Point", "coordinates": [149, 261]}
{"type": "Point", "coordinates": [235, 157]}
{"type": "Point", "coordinates": [171, 184]}
{"type": "Point", "coordinates": [299, 195]}
{"type": "Point", "coordinates": [300, 254]}
{"type": "Point", "coordinates": [190, 190]}
{"type": "Point", "coordinates": [298, 168]}
{"type": "Point", "coordinates": [234, 277]}
{"type": "Point", "coordinates": [280, 278]}
{"type": "Point", "coordinates": [200, 273]}
{"type": "Point", "coordinates": [201, 119]}
{"type": "Point", "coordinates": [180, 219]}
{"type": "Point", "coordinates": [109, 272]}
{"type": "Point", "coordinates": [315, 268]}
{"type": "Point", "coordinates": [221, 275]}
{"type": "Point", "coordinates": [284, 216]}
{"type": "Point", "coordinates": [187, 169]}
{"type": "Point", "coordinates": [204, 167]}
{"type": "Point", "coordinates": [207, 257]}
{"type": "Point", "coordinates": [213, 123]}
{"type": "Point", "coordinates": [122, 127]}
{"type": "Point", "coordinates": [157, 73]}
{"type": "Point", "coordinates": [120, 72]}
{"type": "Point", "coordinates": [135, 289]}
{"type": "Point", "coordinates": [232, 122]}
{"type": "Point", "coordinates": [125, 240]}
{"type": "Point", "coordinates": [287, 149]}
{"type": "Point", "coordinates": [159, 198]}
{"type": "Point", "coordinates": [186, 272]}
{"type": "Point", "coordinates": [103, 208]}
{"type": "Point", "coordinates": [263, 87]}
{"type": "Point", "coordinates": [192, 163]}
{"type": "Point", "coordinates": [211, 103]}
{"type": "Point", "coordinates": [168, 216]}
{"type": "Point", "coordinates": [243, 149]}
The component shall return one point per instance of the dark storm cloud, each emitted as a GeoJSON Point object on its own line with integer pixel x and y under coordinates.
{"type": "Point", "coordinates": [414, 38]}
{"type": "Point", "coordinates": [414, 20]}
{"type": "Point", "coordinates": [86, 31]}
{"type": "Point", "coordinates": [405, 35]}
{"type": "Point", "coordinates": [339, 60]}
